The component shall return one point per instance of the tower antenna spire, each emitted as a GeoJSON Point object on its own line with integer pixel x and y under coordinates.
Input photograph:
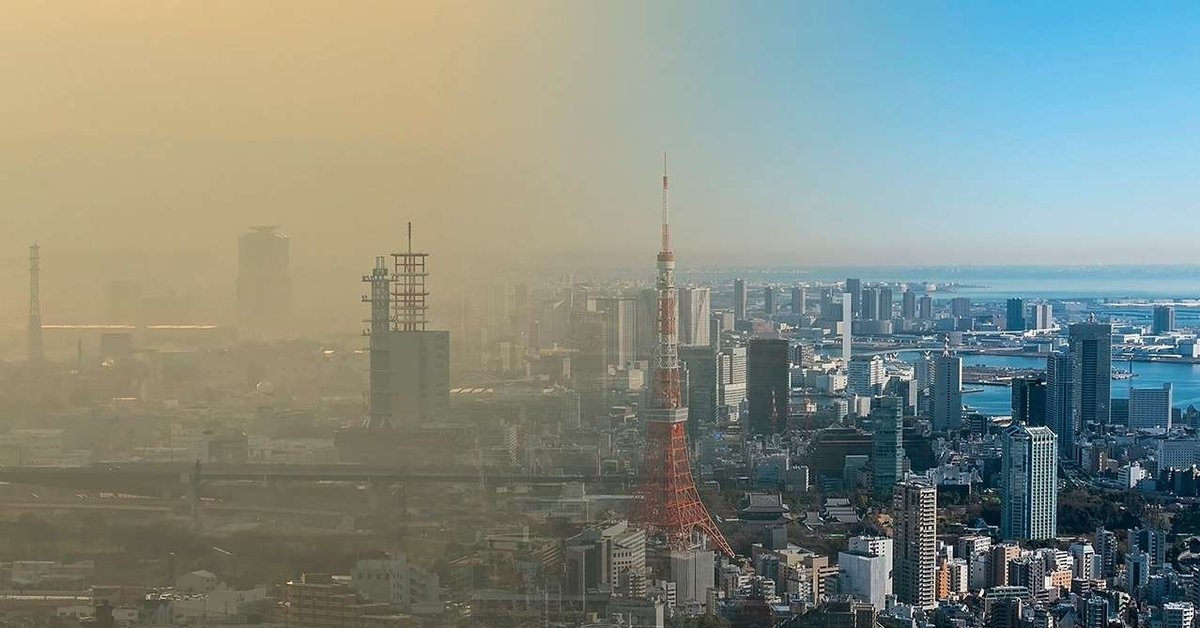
{"type": "Point", "coordinates": [666, 223]}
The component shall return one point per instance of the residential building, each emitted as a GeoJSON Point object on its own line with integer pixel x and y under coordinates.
{"type": "Point", "coordinates": [1029, 483]}
{"type": "Point", "coordinates": [914, 515]}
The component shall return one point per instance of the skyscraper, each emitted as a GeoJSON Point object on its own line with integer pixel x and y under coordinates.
{"type": "Point", "coordinates": [799, 295]}
{"type": "Point", "coordinates": [1015, 315]}
{"type": "Point", "coordinates": [925, 307]}
{"type": "Point", "coordinates": [769, 301]}
{"type": "Point", "coordinates": [1091, 362]}
{"type": "Point", "coordinates": [1150, 408]}
{"type": "Point", "coordinates": [885, 303]}
{"type": "Point", "coordinates": [768, 384]}
{"type": "Point", "coordinates": [914, 516]}
{"type": "Point", "coordinates": [1061, 416]}
{"type": "Point", "coordinates": [854, 287]}
{"type": "Point", "coordinates": [695, 313]}
{"type": "Point", "coordinates": [908, 305]}
{"type": "Point", "coordinates": [1029, 400]}
{"type": "Point", "coordinates": [621, 316]}
{"type": "Point", "coordinates": [1164, 319]}
{"type": "Point", "coordinates": [869, 304]}
{"type": "Point", "coordinates": [264, 284]}
{"type": "Point", "coordinates": [947, 393]}
{"type": "Point", "coordinates": [865, 375]}
{"type": "Point", "coordinates": [1043, 317]}
{"type": "Point", "coordinates": [702, 384]}
{"type": "Point", "coordinates": [739, 299]}
{"type": "Point", "coordinates": [731, 375]}
{"type": "Point", "coordinates": [847, 327]}
{"type": "Point", "coordinates": [1029, 483]}
{"type": "Point", "coordinates": [887, 444]}
{"type": "Point", "coordinates": [960, 307]}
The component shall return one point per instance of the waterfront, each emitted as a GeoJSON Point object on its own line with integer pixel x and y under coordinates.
{"type": "Point", "coordinates": [996, 400]}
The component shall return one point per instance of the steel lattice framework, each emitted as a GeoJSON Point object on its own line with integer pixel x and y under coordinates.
{"type": "Point", "coordinates": [669, 503]}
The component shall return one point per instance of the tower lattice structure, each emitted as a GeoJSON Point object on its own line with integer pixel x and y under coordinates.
{"type": "Point", "coordinates": [669, 504]}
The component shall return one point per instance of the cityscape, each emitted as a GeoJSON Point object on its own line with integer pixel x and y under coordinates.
{"type": "Point", "coordinates": [289, 414]}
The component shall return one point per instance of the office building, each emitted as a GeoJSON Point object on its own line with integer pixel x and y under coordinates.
{"type": "Point", "coordinates": [731, 374]}
{"type": "Point", "coordinates": [1029, 400]}
{"type": "Point", "coordinates": [866, 570]}
{"type": "Point", "coordinates": [865, 375]}
{"type": "Point", "coordinates": [621, 324]}
{"type": "Point", "coordinates": [925, 307]}
{"type": "Point", "coordinates": [703, 385]}
{"type": "Point", "coordinates": [960, 307]}
{"type": "Point", "coordinates": [1164, 319]}
{"type": "Point", "coordinates": [887, 444]}
{"type": "Point", "coordinates": [908, 305]}
{"type": "Point", "coordinates": [799, 295]}
{"type": "Point", "coordinates": [1061, 416]}
{"type": "Point", "coordinates": [1150, 408]}
{"type": "Point", "coordinates": [854, 288]}
{"type": "Point", "coordinates": [695, 311]}
{"type": "Point", "coordinates": [1091, 364]}
{"type": "Point", "coordinates": [914, 516]}
{"type": "Point", "coordinates": [646, 324]}
{"type": "Point", "coordinates": [264, 284]}
{"type": "Point", "coordinates": [947, 393]}
{"type": "Point", "coordinates": [869, 302]}
{"type": "Point", "coordinates": [1029, 483]}
{"type": "Point", "coordinates": [739, 299]}
{"type": "Point", "coordinates": [1178, 615]}
{"type": "Point", "coordinates": [847, 328]}
{"type": "Point", "coordinates": [885, 303]}
{"type": "Point", "coordinates": [610, 556]}
{"type": "Point", "coordinates": [1014, 319]}
{"type": "Point", "coordinates": [769, 302]}
{"type": "Point", "coordinates": [1043, 317]}
{"type": "Point", "coordinates": [768, 384]}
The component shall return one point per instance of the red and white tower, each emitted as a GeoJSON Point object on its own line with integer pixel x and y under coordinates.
{"type": "Point", "coordinates": [669, 504]}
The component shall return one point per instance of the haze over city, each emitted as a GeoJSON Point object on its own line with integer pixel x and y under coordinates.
{"type": "Point", "coordinates": [599, 314]}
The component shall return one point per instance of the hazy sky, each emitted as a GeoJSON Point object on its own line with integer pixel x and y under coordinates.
{"type": "Point", "coordinates": [799, 132]}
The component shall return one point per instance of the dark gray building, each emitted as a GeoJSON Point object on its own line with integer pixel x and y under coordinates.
{"type": "Point", "coordinates": [887, 452]}
{"type": "Point", "coordinates": [1029, 400]}
{"type": "Point", "coordinates": [1091, 362]}
{"type": "Point", "coordinates": [1014, 319]}
{"type": "Point", "coordinates": [768, 384]}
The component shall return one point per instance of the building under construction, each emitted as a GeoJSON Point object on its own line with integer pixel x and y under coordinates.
{"type": "Point", "coordinates": [409, 381]}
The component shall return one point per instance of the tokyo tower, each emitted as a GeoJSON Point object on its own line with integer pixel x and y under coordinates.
{"type": "Point", "coordinates": [669, 505]}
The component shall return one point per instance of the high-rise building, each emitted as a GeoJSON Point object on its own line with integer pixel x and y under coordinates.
{"type": "Point", "coordinates": [866, 570]}
{"type": "Point", "coordinates": [1151, 541]}
{"type": "Point", "coordinates": [409, 375]}
{"type": "Point", "coordinates": [865, 375]}
{"type": "Point", "coordinates": [914, 516]}
{"type": "Point", "coordinates": [1043, 317]}
{"type": "Point", "coordinates": [702, 384]}
{"type": "Point", "coordinates": [923, 377]}
{"type": "Point", "coordinates": [1029, 483]}
{"type": "Point", "coordinates": [645, 324]}
{"type": "Point", "coordinates": [885, 303]}
{"type": "Point", "coordinates": [739, 299]}
{"type": "Point", "coordinates": [768, 384]}
{"type": "Point", "coordinates": [1150, 408]}
{"type": "Point", "coordinates": [731, 374]}
{"type": "Point", "coordinates": [264, 284]}
{"type": "Point", "coordinates": [925, 307]}
{"type": "Point", "coordinates": [887, 444]}
{"type": "Point", "coordinates": [1061, 415]}
{"type": "Point", "coordinates": [1178, 615]}
{"type": "Point", "coordinates": [960, 307]}
{"type": "Point", "coordinates": [847, 328]}
{"type": "Point", "coordinates": [1029, 400]}
{"type": "Point", "coordinates": [1096, 614]}
{"type": "Point", "coordinates": [908, 305]}
{"type": "Point", "coordinates": [1091, 363]}
{"type": "Point", "coordinates": [1105, 542]}
{"type": "Point", "coordinates": [695, 312]}
{"type": "Point", "coordinates": [1014, 319]}
{"type": "Point", "coordinates": [799, 295]}
{"type": "Point", "coordinates": [1164, 319]}
{"type": "Point", "coordinates": [947, 393]}
{"type": "Point", "coordinates": [621, 318]}
{"type": "Point", "coordinates": [769, 301]}
{"type": "Point", "coordinates": [854, 287]}
{"type": "Point", "coordinates": [869, 302]}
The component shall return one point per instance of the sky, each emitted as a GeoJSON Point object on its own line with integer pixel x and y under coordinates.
{"type": "Point", "coordinates": [530, 133]}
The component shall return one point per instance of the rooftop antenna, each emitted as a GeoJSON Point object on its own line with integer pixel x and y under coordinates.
{"type": "Point", "coordinates": [666, 225]}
